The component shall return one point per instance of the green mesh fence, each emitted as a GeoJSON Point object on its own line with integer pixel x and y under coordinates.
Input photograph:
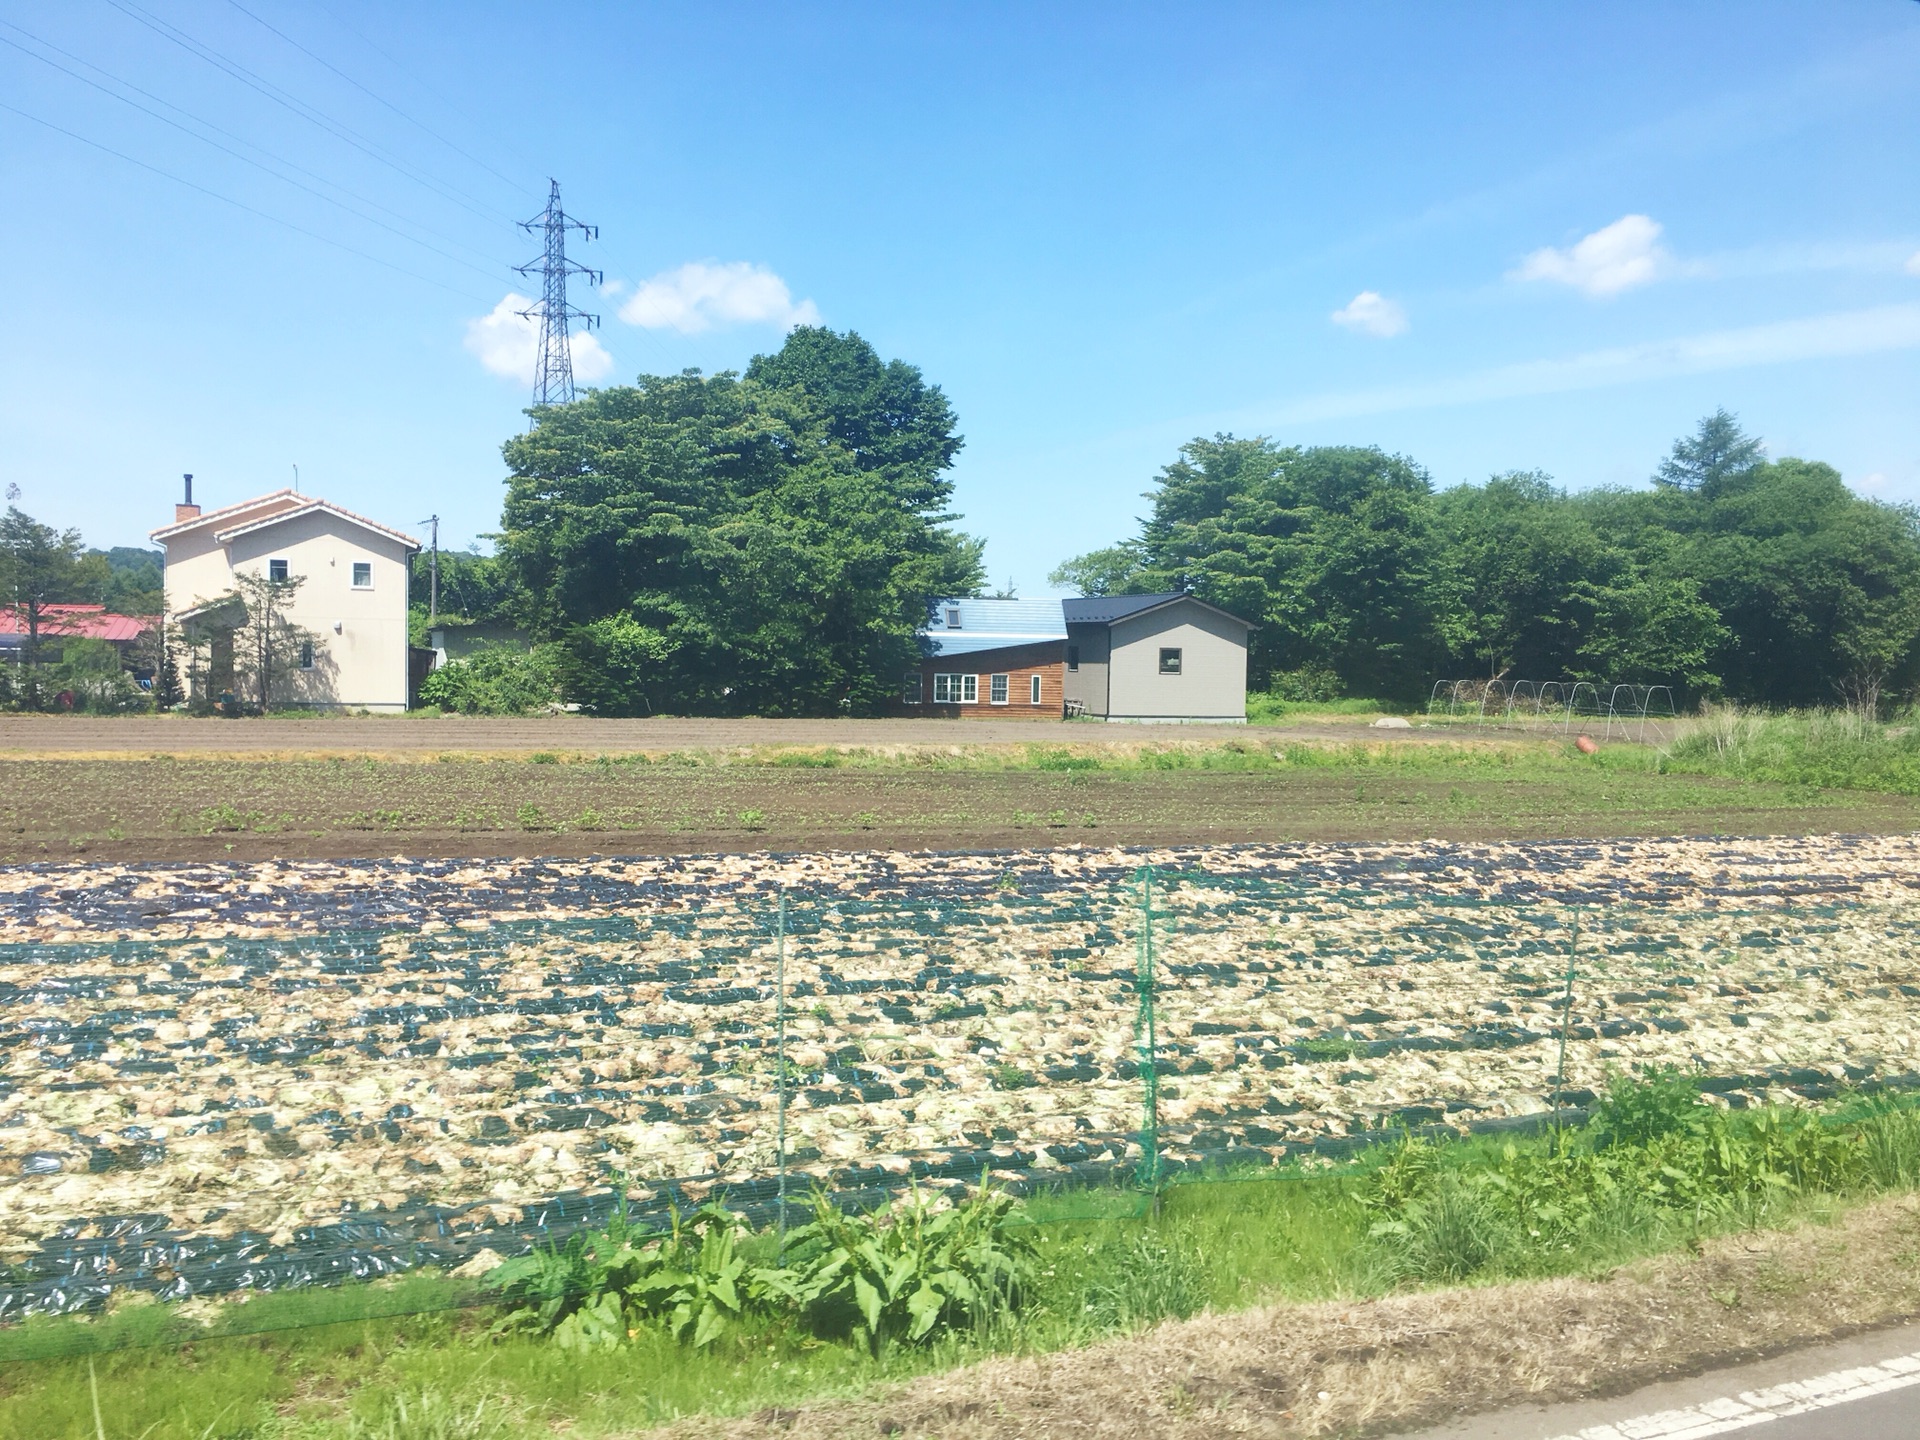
{"type": "Point", "coordinates": [323, 1118]}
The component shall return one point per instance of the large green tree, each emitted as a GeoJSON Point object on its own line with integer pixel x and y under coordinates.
{"type": "Point", "coordinates": [758, 544]}
{"type": "Point", "coordinates": [1332, 552]}
{"type": "Point", "coordinates": [40, 566]}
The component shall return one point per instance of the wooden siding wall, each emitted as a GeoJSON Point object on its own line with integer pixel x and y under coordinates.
{"type": "Point", "coordinates": [1019, 665]}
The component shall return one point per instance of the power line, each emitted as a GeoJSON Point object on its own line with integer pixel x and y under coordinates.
{"type": "Point", "coordinates": [416, 81]}
{"type": "Point", "coordinates": [239, 204]}
{"type": "Point", "coordinates": [310, 114]}
{"type": "Point", "coordinates": [228, 150]}
{"type": "Point", "coordinates": [417, 124]}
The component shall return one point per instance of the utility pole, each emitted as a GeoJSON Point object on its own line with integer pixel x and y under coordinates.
{"type": "Point", "coordinates": [553, 374]}
{"type": "Point", "coordinates": [433, 572]}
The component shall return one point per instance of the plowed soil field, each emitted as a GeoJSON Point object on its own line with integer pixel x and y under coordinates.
{"type": "Point", "coordinates": [243, 809]}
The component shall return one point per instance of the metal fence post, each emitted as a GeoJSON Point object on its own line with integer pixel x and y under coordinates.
{"type": "Point", "coordinates": [1144, 1023]}
{"type": "Point", "coordinates": [780, 1060]}
{"type": "Point", "coordinates": [1566, 1022]}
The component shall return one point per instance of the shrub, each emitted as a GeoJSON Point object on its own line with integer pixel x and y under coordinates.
{"type": "Point", "coordinates": [911, 1273]}
{"type": "Point", "coordinates": [494, 680]}
{"type": "Point", "coordinates": [91, 673]}
{"type": "Point", "coordinates": [1634, 1112]}
{"type": "Point", "coordinates": [590, 1293]}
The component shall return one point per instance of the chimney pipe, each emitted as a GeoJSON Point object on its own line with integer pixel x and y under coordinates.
{"type": "Point", "coordinates": [188, 510]}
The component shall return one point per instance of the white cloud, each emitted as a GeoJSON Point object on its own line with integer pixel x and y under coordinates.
{"type": "Point", "coordinates": [1817, 337]}
{"type": "Point", "coordinates": [1913, 263]}
{"type": "Point", "coordinates": [1371, 313]}
{"type": "Point", "coordinates": [704, 293]}
{"type": "Point", "coordinates": [1614, 258]}
{"type": "Point", "coordinates": [508, 343]}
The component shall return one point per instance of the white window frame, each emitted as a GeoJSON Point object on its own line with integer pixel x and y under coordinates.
{"type": "Point", "coordinates": [358, 565]}
{"type": "Point", "coordinates": [953, 617]}
{"type": "Point", "coordinates": [953, 688]}
{"type": "Point", "coordinates": [999, 689]}
{"type": "Point", "coordinates": [912, 688]}
{"type": "Point", "coordinates": [1033, 688]}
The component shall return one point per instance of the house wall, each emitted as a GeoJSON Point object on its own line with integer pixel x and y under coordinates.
{"type": "Point", "coordinates": [1088, 683]}
{"type": "Point", "coordinates": [1212, 683]}
{"type": "Point", "coordinates": [195, 569]}
{"type": "Point", "coordinates": [360, 634]}
{"type": "Point", "coordinates": [1018, 663]}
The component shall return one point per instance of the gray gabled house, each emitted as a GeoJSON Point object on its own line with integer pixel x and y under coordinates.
{"type": "Point", "coordinates": [1145, 658]}
{"type": "Point", "coordinates": [1167, 657]}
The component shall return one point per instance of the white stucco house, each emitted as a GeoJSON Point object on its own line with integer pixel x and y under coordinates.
{"type": "Point", "coordinates": [350, 609]}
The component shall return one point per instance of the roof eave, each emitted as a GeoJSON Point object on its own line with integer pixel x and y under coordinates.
{"type": "Point", "coordinates": [181, 527]}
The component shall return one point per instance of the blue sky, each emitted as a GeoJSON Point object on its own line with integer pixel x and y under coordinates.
{"type": "Point", "coordinates": [1488, 236]}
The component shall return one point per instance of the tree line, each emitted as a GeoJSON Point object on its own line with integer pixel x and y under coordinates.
{"type": "Point", "coordinates": [1732, 575]}
{"type": "Point", "coordinates": [756, 543]}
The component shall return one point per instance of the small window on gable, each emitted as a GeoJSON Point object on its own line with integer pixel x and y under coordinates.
{"type": "Point", "coordinates": [910, 688]}
{"type": "Point", "coordinates": [1169, 660]}
{"type": "Point", "coordinates": [1033, 687]}
{"type": "Point", "coordinates": [953, 617]}
{"type": "Point", "coordinates": [1073, 657]}
{"type": "Point", "coordinates": [363, 574]}
{"type": "Point", "coordinates": [276, 570]}
{"type": "Point", "coordinates": [306, 654]}
{"type": "Point", "coordinates": [997, 690]}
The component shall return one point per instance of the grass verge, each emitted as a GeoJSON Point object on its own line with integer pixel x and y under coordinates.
{"type": "Point", "coordinates": [1657, 1174]}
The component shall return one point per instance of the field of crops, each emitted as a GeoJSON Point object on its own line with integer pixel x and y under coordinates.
{"type": "Point", "coordinates": [216, 1077]}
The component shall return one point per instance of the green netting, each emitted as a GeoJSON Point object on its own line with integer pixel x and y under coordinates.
{"type": "Point", "coordinates": [381, 1099]}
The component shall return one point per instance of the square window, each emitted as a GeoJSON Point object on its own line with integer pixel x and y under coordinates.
{"type": "Point", "coordinates": [363, 574]}
{"type": "Point", "coordinates": [1169, 661]}
{"type": "Point", "coordinates": [306, 654]}
{"type": "Point", "coordinates": [946, 689]}
{"type": "Point", "coordinates": [276, 570]}
{"type": "Point", "coordinates": [910, 688]}
{"type": "Point", "coordinates": [997, 690]}
{"type": "Point", "coordinates": [1073, 657]}
{"type": "Point", "coordinates": [1034, 687]}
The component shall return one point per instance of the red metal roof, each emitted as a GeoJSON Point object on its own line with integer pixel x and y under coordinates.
{"type": "Point", "coordinates": [91, 622]}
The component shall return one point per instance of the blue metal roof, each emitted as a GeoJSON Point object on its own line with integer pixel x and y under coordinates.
{"type": "Point", "coordinates": [992, 624]}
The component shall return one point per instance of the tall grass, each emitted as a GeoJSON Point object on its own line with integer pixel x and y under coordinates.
{"type": "Point", "coordinates": [1841, 749]}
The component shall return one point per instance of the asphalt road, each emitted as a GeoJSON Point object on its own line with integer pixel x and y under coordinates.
{"type": "Point", "coordinates": [1863, 1388]}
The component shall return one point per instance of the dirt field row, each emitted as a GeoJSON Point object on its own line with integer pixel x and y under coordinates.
{"type": "Point", "coordinates": [572, 734]}
{"type": "Point", "coordinates": [223, 808]}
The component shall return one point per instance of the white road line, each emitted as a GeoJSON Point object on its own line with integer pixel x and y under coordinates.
{"type": "Point", "coordinates": [1755, 1407]}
